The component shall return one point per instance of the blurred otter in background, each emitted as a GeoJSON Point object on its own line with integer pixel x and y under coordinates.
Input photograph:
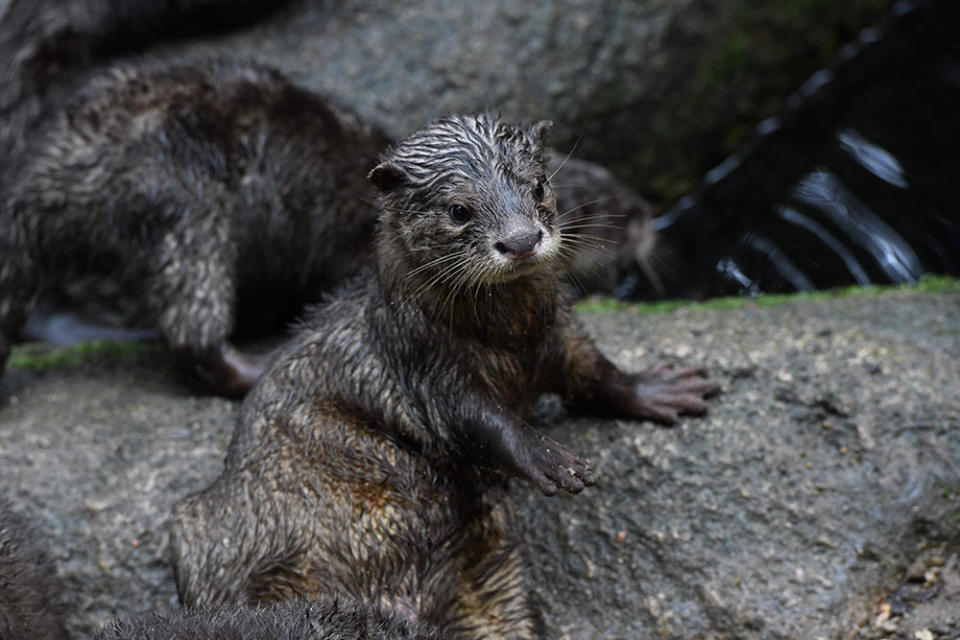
{"type": "Point", "coordinates": [207, 187]}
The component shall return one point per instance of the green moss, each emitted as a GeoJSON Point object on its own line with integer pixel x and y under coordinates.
{"type": "Point", "coordinates": [938, 284]}
{"type": "Point", "coordinates": [927, 284]}
{"type": "Point", "coordinates": [600, 304]}
{"type": "Point", "coordinates": [40, 357]}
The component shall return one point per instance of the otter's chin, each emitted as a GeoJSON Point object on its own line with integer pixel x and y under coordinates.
{"type": "Point", "coordinates": [519, 269]}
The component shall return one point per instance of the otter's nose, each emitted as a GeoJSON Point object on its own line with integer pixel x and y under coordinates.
{"type": "Point", "coordinates": [521, 245]}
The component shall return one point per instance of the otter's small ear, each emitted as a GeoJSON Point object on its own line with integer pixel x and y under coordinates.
{"type": "Point", "coordinates": [386, 176]}
{"type": "Point", "coordinates": [541, 131]}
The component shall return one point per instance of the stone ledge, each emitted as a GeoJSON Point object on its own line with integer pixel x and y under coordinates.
{"type": "Point", "coordinates": [828, 460]}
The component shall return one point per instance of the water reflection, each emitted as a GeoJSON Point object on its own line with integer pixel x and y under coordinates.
{"type": "Point", "coordinates": [879, 203]}
{"type": "Point", "coordinates": [825, 193]}
{"type": "Point", "coordinates": [794, 217]}
{"type": "Point", "coordinates": [874, 159]}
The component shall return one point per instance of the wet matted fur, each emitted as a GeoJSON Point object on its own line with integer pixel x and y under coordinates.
{"type": "Point", "coordinates": [371, 460]}
{"type": "Point", "coordinates": [291, 620]}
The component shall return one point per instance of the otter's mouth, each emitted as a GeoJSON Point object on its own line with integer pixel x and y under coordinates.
{"type": "Point", "coordinates": [538, 259]}
{"type": "Point", "coordinates": [524, 267]}
{"type": "Point", "coordinates": [512, 273]}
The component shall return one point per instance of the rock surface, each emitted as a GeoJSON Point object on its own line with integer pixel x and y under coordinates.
{"type": "Point", "coordinates": [829, 461]}
{"type": "Point", "coordinates": [660, 91]}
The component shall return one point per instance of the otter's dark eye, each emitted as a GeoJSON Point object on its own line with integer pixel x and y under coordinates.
{"type": "Point", "coordinates": [460, 214]}
{"type": "Point", "coordinates": [538, 191]}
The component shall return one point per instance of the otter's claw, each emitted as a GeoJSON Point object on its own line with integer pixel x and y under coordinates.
{"type": "Point", "coordinates": [663, 392]}
{"type": "Point", "coordinates": [551, 466]}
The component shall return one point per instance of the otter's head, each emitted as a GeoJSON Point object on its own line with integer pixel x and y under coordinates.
{"type": "Point", "coordinates": [466, 200]}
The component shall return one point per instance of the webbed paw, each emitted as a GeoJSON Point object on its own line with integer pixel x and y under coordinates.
{"type": "Point", "coordinates": [663, 392]}
{"type": "Point", "coordinates": [551, 466]}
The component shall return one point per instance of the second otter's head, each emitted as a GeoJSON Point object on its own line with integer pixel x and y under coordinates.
{"type": "Point", "coordinates": [467, 200]}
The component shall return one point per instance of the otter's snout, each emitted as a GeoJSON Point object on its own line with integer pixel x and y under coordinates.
{"type": "Point", "coordinates": [521, 245]}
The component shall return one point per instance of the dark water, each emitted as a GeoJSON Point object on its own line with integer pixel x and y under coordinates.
{"type": "Point", "coordinates": [882, 204]}
{"type": "Point", "coordinates": [876, 201]}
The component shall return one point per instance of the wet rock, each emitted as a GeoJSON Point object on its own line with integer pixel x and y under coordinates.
{"type": "Point", "coordinates": [924, 605]}
{"type": "Point", "coordinates": [659, 91]}
{"type": "Point", "coordinates": [754, 521]}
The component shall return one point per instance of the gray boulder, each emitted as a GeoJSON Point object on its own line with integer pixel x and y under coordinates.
{"type": "Point", "coordinates": [660, 91]}
{"type": "Point", "coordinates": [830, 459]}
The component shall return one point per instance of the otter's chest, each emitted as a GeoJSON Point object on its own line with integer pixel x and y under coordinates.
{"type": "Point", "coordinates": [511, 367]}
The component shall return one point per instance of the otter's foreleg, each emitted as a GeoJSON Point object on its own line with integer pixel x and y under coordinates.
{"type": "Point", "coordinates": [594, 384]}
{"type": "Point", "coordinates": [502, 437]}
{"type": "Point", "coordinates": [193, 292]}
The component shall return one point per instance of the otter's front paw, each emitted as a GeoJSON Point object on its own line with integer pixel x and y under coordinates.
{"type": "Point", "coordinates": [551, 466]}
{"type": "Point", "coordinates": [663, 392]}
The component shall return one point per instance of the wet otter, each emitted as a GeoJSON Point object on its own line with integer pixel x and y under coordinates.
{"type": "Point", "coordinates": [291, 620]}
{"type": "Point", "coordinates": [209, 185]}
{"type": "Point", "coordinates": [214, 191]}
{"type": "Point", "coordinates": [371, 459]}
{"type": "Point", "coordinates": [29, 588]}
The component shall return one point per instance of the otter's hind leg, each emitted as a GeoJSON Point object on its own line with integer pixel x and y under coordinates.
{"type": "Point", "coordinates": [494, 597]}
{"type": "Point", "coordinates": [193, 293]}
{"type": "Point", "coordinates": [226, 541]}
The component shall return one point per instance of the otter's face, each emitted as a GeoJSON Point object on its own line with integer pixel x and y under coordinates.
{"type": "Point", "coordinates": [468, 201]}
